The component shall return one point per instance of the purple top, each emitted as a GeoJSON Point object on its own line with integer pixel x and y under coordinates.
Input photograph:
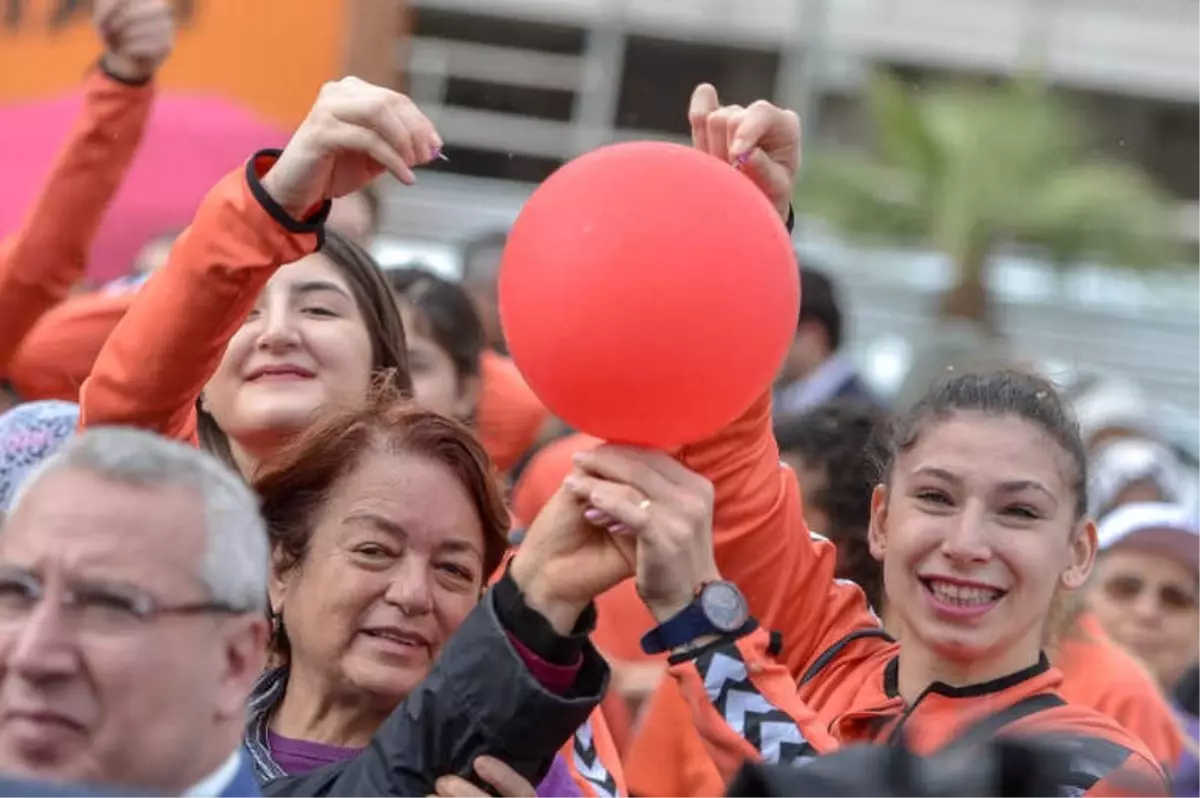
{"type": "Point", "coordinates": [302, 756]}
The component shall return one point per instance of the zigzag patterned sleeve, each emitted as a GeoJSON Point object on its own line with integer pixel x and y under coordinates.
{"type": "Point", "coordinates": [746, 708]}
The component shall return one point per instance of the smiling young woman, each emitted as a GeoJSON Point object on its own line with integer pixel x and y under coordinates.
{"type": "Point", "coordinates": [979, 521]}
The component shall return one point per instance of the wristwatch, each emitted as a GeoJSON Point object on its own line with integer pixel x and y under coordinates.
{"type": "Point", "coordinates": [719, 608]}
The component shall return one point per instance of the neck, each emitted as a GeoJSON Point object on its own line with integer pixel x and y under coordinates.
{"type": "Point", "coordinates": [246, 463]}
{"type": "Point", "coordinates": [202, 763]}
{"type": "Point", "coordinates": [250, 450]}
{"type": "Point", "coordinates": [311, 710]}
{"type": "Point", "coordinates": [920, 665]}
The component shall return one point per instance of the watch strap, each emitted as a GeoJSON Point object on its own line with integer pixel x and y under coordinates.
{"type": "Point", "coordinates": [687, 624]}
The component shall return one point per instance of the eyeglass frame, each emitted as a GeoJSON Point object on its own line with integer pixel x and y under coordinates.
{"type": "Point", "coordinates": [142, 608]}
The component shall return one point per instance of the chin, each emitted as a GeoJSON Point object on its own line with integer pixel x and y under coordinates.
{"type": "Point", "coordinates": [285, 415]}
{"type": "Point", "coordinates": [965, 645]}
{"type": "Point", "coordinates": [391, 683]}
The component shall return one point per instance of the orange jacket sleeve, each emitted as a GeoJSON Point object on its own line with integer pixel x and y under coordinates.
{"type": "Point", "coordinates": [42, 260]}
{"type": "Point", "coordinates": [58, 353]}
{"type": "Point", "coordinates": [763, 545]}
{"type": "Point", "coordinates": [156, 362]}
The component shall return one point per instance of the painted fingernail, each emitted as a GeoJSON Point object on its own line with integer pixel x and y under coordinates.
{"type": "Point", "coordinates": [743, 159]}
{"type": "Point", "coordinates": [619, 529]}
{"type": "Point", "coordinates": [593, 515]}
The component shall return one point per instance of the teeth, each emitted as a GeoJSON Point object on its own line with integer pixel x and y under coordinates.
{"type": "Point", "coordinates": [959, 594]}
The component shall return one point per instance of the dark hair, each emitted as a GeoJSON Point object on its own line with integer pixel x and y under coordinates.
{"type": "Point", "coordinates": [443, 311]}
{"type": "Point", "coordinates": [389, 350]}
{"type": "Point", "coordinates": [296, 481]}
{"type": "Point", "coordinates": [1004, 392]}
{"type": "Point", "coordinates": [819, 303]}
{"type": "Point", "coordinates": [838, 438]}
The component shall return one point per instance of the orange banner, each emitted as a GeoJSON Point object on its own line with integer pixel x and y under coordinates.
{"type": "Point", "coordinates": [269, 55]}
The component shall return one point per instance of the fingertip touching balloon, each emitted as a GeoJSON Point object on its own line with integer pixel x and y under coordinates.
{"type": "Point", "coordinates": [648, 293]}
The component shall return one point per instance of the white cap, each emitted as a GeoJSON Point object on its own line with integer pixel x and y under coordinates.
{"type": "Point", "coordinates": [1123, 462]}
{"type": "Point", "coordinates": [1170, 528]}
{"type": "Point", "coordinates": [1114, 404]}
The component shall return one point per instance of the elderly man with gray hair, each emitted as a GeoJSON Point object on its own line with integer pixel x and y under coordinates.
{"type": "Point", "coordinates": [132, 618]}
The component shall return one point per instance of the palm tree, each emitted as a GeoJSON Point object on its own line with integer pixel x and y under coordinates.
{"type": "Point", "coordinates": [971, 170]}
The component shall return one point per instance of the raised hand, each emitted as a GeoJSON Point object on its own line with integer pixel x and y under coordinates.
{"type": "Point", "coordinates": [506, 781]}
{"type": "Point", "coordinates": [354, 132]}
{"type": "Point", "coordinates": [651, 496]}
{"type": "Point", "coordinates": [564, 562]}
{"type": "Point", "coordinates": [138, 36]}
{"type": "Point", "coordinates": [762, 140]}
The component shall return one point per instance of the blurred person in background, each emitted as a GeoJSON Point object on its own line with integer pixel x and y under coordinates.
{"type": "Point", "coordinates": [1110, 409]}
{"type": "Point", "coordinates": [830, 449]}
{"type": "Point", "coordinates": [480, 273]}
{"type": "Point", "coordinates": [509, 418]}
{"type": "Point", "coordinates": [132, 618]}
{"type": "Point", "coordinates": [1132, 471]}
{"type": "Point", "coordinates": [816, 370]}
{"type": "Point", "coordinates": [29, 433]}
{"type": "Point", "coordinates": [1146, 595]}
{"type": "Point", "coordinates": [455, 374]}
{"type": "Point", "coordinates": [43, 261]}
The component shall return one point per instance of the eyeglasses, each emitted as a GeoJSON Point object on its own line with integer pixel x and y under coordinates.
{"type": "Point", "coordinates": [1126, 588]}
{"type": "Point", "coordinates": [102, 608]}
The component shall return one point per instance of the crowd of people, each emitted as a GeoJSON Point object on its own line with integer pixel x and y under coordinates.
{"type": "Point", "coordinates": [276, 521]}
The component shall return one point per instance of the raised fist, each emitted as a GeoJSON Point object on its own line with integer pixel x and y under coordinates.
{"type": "Point", "coordinates": [354, 132]}
{"type": "Point", "coordinates": [138, 36]}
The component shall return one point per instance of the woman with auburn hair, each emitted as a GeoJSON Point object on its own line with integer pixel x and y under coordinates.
{"type": "Point", "coordinates": [385, 522]}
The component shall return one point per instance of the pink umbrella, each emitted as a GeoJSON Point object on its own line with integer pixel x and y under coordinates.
{"type": "Point", "coordinates": [189, 144]}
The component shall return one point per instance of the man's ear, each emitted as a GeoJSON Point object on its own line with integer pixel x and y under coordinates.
{"type": "Point", "coordinates": [244, 657]}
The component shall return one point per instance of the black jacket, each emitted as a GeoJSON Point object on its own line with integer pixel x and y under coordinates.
{"type": "Point", "coordinates": [479, 698]}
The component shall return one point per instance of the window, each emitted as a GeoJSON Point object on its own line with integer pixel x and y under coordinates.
{"type": "Point", "coordinates": [659, 76]}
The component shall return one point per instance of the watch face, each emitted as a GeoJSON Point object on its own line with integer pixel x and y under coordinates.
{"type": "Point", "coordinates": [724, 606]}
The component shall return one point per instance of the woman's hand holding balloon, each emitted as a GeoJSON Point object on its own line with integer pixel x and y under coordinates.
{"type": "Point", "coordinates": [354, 132]}
{"type": "Point", "coordinates": [651, 497]}
{"type": "Point", "coordinates": [564, 562]}
{"type": "Point", "coordinates": [762, 139]}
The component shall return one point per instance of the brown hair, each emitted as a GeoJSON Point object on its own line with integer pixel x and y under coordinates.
{"type": "Point", "coordinates": [373, 296]}
{"type": "Point", "coordinates": [296, 482]}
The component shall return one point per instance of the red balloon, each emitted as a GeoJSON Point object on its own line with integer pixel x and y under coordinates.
{"type": "Point", "coordinates": [648, 293]}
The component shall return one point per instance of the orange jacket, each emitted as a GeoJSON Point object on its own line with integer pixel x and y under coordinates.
{"type": "Point", "coordinates": [1098, 673]}
{"type": "Point", "coordinates": [509, 417]}
{"type": "Point", "coordinates": [47, 256]}
{"type": "Point", "coordinates": [171, 340]}
{"type": "Point", "coordinates": [58, 353]}
{"type": "Point", "coordinates": [830, 684]}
